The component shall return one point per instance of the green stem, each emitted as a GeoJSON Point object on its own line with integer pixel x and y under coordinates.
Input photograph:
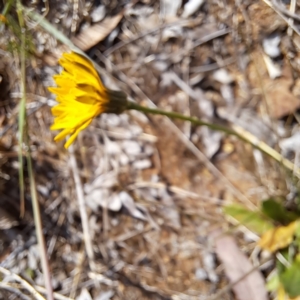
{"type": "Point", "coordinates": [234, 130]}
{"type": "Point", "coordinates": [7, 7]}
{"type": "Point", "coordinates": [174, 115]}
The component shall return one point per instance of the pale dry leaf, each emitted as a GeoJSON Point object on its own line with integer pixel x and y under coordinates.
{"type": "Point", "coordinates": [273, 68]}
{"type": "Point", "coordinates": [236, 265]}
{"type": "Point", "coordinates": [191, 7]}
{"type": "Point", "coordinates": [105, 295]}
{"type": "Point", "coordinates": [130, 205]}
{"type": "Point", "coordinates": [97, 33]}
{"type": "Point", "coordinates": [84, 295]}
{"type": "Point", "coordinates": [169, 8]}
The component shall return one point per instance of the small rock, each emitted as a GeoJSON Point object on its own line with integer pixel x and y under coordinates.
{"type": "Point", "coordinates": [223, 76]}
{"type": "Point", "coordinates": [132, 148]}
{"type": "Point", "coordinates": [112, 120]}
{"type": "Point", "coordinates": [142, 164]}
{"type": "Point", "coordinates": [227, 93]}
{"type": "Point", "coordinates": [98, 13]}
{"type": "Point", "coordinates": [123, 159]}
{"type": "Point", "coordinates": [271, 46]}
{"type": "Point", "coordinates": [201, 274]}
{"type": "Point", "coordinates": [114, 203]}
{"type": "Point", "coordinates": [148, 149]}
{"type": "Point", "coordinates": [112, 148]}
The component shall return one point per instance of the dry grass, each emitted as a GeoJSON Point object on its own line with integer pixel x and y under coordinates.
{"type": "Point", "coordinates": [153, 188]}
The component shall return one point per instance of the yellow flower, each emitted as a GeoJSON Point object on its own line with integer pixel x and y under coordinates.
{"type": "Point", "coordinates": [81, 97]}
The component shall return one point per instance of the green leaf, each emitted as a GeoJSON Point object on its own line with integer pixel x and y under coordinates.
{"type": "Point", "coordinates": [253, 220]}
{"type": "Point", "coordinates": [273, 283]}
{"type": "Point", "coordinates": [275, 210]}
{"type": "Point", "coordinates": [285, 259]}
{"type": "Point", "coordinates": [290, 279]}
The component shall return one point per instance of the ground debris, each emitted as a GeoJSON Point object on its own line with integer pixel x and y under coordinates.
{"type": "Point", "coordinates": [152, 203]}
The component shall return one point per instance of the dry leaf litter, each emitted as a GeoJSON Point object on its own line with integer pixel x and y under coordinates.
{"type": "Point", "coordinates": [154, 188]}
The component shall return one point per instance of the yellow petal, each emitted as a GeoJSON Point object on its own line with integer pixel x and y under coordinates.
{"type": "Point", "coordinates": [81, 97]}
{"type": "Point", "coordinates": [85, 77]}
{"type": "Point", "coordinates": [63, 80]}
{"type": "Point", "coordinates": [81, 69]}
{"type": "Point", "coordinates": [75, 134]}
{"type": "Point", "coordinates": [74, 57]}
{"type": "Point", "coordinates": [63, 134]}
{"type": "Point", "coordinates": [73, 116]}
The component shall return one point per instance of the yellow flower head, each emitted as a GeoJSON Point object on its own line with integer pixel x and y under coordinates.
{"type": "Point", "coordinates": [81, 96]}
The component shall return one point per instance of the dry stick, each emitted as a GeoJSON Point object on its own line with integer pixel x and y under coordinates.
{"type": "Point", "coordinates": [39, 229]}
{"type": "Point", "coordinates": [213, 66]}
{"type": "Point", "coordinates": [291, 20]}
{"type": "Point", "coordinates": [124, 43]}
{"type": "Point", "coordinates": [14, 288]}
{"type": "Point", "coordinates": [22, 111]}
{"type": "Point", "coordinates": [176, 190]}
{"type": "Point", "coordinates": [56, 295]}
{"type": "Point", "coordinates": [280, 13]}
{"type": "Point", "coordinates": [23, 282]}
{"type": "Point", "coordinates": [82, 209]}
{"type": "Point", "coordinates": [75, 15]}
{"type": "Point", "coordinates": [276, 4]}
{"type": "Point", "coordinates": [78, 272]}
{"type": "Point", "coordinates": [34, 198]}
